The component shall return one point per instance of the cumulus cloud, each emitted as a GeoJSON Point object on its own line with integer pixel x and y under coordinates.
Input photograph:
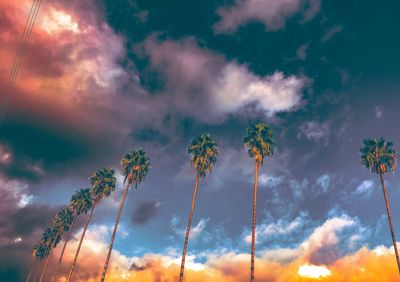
{"type": "Point", "coordinates": [268, 231]}
{"type": "Point", "coordinates": [237, 87]}
{"type": "Point", "coordinates": [272, 265]}
{"type": "Point", "coordinates": [273, 14]}
{"type": "Point", "coordinates": [199, 81]}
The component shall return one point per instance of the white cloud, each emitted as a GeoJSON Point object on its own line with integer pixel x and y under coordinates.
{"type": "Point", "coordinates": [326, 235]}
{"type": "Point", "coordinates": [195, 230]}
{"type": "Point", "coordinates": [237, 88]}
{"type": "Point", "coordinates": [269, 180]}
{"type": "Point", "coordinates": [315, 131]}
{"type": "Point", "coordinates": [267, 231]}
{"type": "Point", "coordinates": [272, 14]}
{"type": "Point", "coordinates": [365, 188]}
{"type": "Point", "coordinates": [25, 200]}
{"type": "Point", "coordinates": [324, 181]}
{"type": "Point", "coordinates": [226, 87]}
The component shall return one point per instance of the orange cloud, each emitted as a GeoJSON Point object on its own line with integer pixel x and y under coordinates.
{"type": "Point", "coordinates": [364, 265]}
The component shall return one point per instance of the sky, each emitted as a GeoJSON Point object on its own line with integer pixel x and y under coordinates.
{"type": "Point", "coordinates": [102, 78]}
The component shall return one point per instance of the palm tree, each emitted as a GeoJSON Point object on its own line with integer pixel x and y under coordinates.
{"type": "Point", "coordinates": [81, 202]}
{"type": "Point", "coordinates": [258, 139]}
{"type": "Point", "coordinates": [103, 184]}
{"type": "Point", "coordinates": [39, 252]}
{"type": "Point", "coordinates": [135, 166]}
{"type": "Point", "coordinates": [378, 156]}
{"type": "Point", "coordinates": [203, 151]}
{"type": "Point", "coordinates": [35, 254]}
{"type": "Point", "coordinates": [61, 223]}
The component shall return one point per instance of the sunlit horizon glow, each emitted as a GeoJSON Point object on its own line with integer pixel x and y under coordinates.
{"type": "Point", "coordinates": [314, 271]}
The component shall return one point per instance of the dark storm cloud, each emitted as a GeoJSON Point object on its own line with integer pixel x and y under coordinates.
{"type": "Point", "coordinates": [27, 221]}
{"type": "Point", "coordinates": [144, 212]}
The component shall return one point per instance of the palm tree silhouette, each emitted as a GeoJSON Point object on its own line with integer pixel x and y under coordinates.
{"type": "Point", "coordinates": [61, 223]}
{"type": "Point", "coordinates": [203, 151]}
{"type": "Point", "coordinates": [378, 156]}
{"type": "Point", "coordinates": [81, 202]}
{"type": "Point", "coordinates": [37, 253]}
{"type": "Point", "coordinates": [103, 184]}
{"type": "Point", "coordinates": [135, 166]}
{"type": "Point", "coordinates": [258, 139]}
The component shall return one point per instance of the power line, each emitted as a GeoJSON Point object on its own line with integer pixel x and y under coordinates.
{"type": "Point", "coordinates": [34, 10]}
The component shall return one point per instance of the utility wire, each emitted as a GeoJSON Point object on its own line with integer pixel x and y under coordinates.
{"type": "Point", "coordinates": [34, 10]}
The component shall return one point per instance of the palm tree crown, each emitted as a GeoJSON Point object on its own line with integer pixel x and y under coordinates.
{"type": "Point", "coordinates": [103, 183]}
{"type": "Point", "coordinates": [63, 220]}
{"type": "Point", "coordinates": [259, 141]}
{"type": "Point", "coordinates": [135, 166]}
{"type": "Point", "coordinates": [204, 152]}
{"type": "Point", "coordinates": [81, 201]}
{"type": "Point", "coordinates": [378, 155]}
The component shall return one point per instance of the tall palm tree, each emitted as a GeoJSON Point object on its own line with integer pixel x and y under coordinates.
{"type": "Point", "coordinates": [203, 151]}
{"type": "Point", "coordinates": [135, 166]}
{"type": "Point", "coordinates": [61, 223]}
{"type": "Point", "coordinates": [258, 140]}
{"type": "Point", "coordinates": [39, 253]}
{"type": "Point", "coordinates": [378, 156]}
{"type": "Point", "coordinates": [81, 202]}
{"type": "Point", "coordinates": [103, 184]}
{"type": "Point", "coordinates": [35, 254]}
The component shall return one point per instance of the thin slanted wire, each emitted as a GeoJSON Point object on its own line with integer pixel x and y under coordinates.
{"type": "Point", "coordinates": [34, 10]}
{"type": "Point", "coordinates": [21, 41]}
{"type": "Point", "coordinates": [23, 45]}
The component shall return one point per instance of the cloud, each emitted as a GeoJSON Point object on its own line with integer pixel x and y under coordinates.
{"type": "Point", "coordinates": [195, 230]}
{"type": "Point", "coordinates": [379, 110]}
{"type": "Point", "coordinates": [324, 181]}
{"type": "Point", "coordinates": [365, 188]}
{"type": "Point", "coordinates": [269, 180]}
{"type": "Point", "coordinates": [315, 131]}
{"type": "Point", "coordinates": [301, 52]}
{"type": "Point", "coordinates": [288, 264]}
{"type": "Point", "coordinates": [313, 271]}
{"type": "Point", "coordinates": [237, 88]}
{"type": "Point", "coordinates": [274, 230]}
{"type": "Point", "coordinates": [225, 88]}
{"type": "Point", "coordinates": [273, 14]}
{"type": "Point", "coordinates": [144, 212]}
{"type": "Point", "coordinates": [331, 32]}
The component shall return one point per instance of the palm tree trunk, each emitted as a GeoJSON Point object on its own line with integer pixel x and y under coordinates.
{"type": "Point", "coordinates": [36, 271]}
{"type": "Point", "coordinates": [253, 226]}
{"type": "Point", "coordinates": [80, 243]}
{"type": "Point", "coordinates": [103, 276]}
{"type": "Point", "coordinates": [63, 249]}
{"type": "Point", "coordinates": [188, 228]}
{"type": "Point", "coordinates": [390, 221]}
{"type": "Point", "coordinates": [32, 268]}
{"type": "Point", "coordinates": [45, 265]}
